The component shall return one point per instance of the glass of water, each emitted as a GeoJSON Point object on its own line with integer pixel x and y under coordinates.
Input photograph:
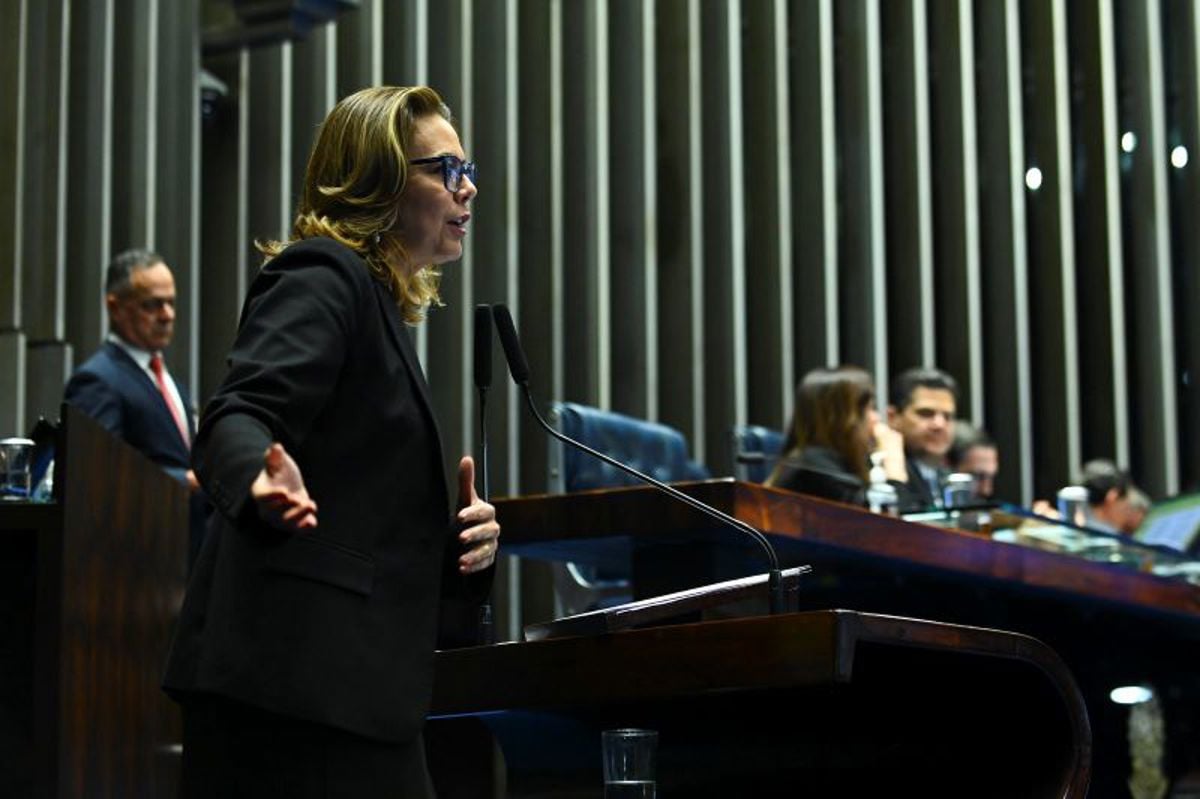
{"type": "Point", "coordinates": [16, 456]}
{"type": "Point", "coordinates": [629, 761]}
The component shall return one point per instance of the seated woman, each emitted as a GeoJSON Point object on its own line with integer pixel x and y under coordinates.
{"type": "Point", "coordinates": [835, 427]}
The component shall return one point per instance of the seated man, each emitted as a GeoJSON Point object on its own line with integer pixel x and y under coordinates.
{"type": "Point", "coordinates": [974, 452]}
{"type": "Point", "coordinates": [1139, 509]}
{"type": "Point", "coordinates": [1112, 507]}
{"type": "Point", "coordinates": [923, 405]}
{"type": "Point", "coordinates": [125, 385]}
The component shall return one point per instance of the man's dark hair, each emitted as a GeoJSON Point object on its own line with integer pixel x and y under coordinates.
{"type": "Point", "coordinates": [966, 436]}
{"type": "Point", "coordinates": [121, 268]}
{"type": "Point", "coordinates": [1101, 476]}
{"type": "Point", "coordinates": [910, 380]}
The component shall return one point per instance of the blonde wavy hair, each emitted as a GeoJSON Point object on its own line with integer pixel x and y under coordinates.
{"type": "Point", "coordinates": [356, 173]}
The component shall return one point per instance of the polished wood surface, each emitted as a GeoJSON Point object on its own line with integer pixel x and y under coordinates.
{"type": "Point", "coordinates": [107, 562]}
{"type": "Point", "coordinates": [548, 524]}
{"type": "Point", "coordinates": [906, 704]}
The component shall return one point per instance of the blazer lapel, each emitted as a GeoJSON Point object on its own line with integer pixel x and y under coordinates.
{"type": "Point", "coordinates": [408, 354]}
{"type": "Point", "coordinates": [151, 396]}
{"type": "Point", "coordinates": [139, 377]}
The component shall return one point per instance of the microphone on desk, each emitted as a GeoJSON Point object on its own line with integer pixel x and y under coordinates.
{"type": "Point", "coordinates": [483, 382]}
{"type": "Point", "coordinates": [519, 367]}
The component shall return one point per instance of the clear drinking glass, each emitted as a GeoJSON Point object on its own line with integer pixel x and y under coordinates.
{"type": "Point", "coordinates": [16, 459]}
{"type": "Point", "coordinates": [629, 763]}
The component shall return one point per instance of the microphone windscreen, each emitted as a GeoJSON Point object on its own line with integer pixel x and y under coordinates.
{"type": "Point", "coordinates": [483, 346]}
{"type": "Point", "coordinates": [511, 344]}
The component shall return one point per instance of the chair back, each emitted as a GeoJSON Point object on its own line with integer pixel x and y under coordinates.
{"type": "Point", "coordinates": [755, 452]}
{"type": "Point", "coordinates": [650, 447]}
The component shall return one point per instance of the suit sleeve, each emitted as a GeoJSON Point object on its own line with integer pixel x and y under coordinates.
{"type": "Point", "coordinates": [296, 326]}
{"type": "Point", "coordinates": [463, 595]}
{"type": "Point", "coordinates": [462, 598]}
{"type": "Point", "coordinates": [88, 392]}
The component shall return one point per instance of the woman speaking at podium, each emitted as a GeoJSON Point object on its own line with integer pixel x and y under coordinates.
{"type": "Point", "coordinates": [303, 655]}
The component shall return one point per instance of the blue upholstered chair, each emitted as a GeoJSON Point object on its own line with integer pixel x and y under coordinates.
{"type": "Point", "coordinates": [755, 452]}
{"type": "Point", "coordinates": [652, 448]}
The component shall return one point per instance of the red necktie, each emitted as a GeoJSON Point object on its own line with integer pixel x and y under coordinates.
{"type": "Point", "coordinates": [156, 366]}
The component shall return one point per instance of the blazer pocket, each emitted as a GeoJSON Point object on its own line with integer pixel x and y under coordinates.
{"type": "Point", "coordinates": [324, 561]}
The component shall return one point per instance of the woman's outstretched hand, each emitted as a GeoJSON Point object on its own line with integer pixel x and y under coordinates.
{"type": "Point", "coordinates": [279, 492]}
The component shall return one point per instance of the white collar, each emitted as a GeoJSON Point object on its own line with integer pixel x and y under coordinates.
{"type": "Point", "coordinates": [140, 356]}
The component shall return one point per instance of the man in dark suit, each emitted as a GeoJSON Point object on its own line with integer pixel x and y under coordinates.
{"type": "Point", "coordinates": [125, 386]}
{"type": "Point", "coordinates": [923, 405]}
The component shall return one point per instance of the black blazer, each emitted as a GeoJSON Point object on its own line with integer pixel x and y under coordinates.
{"type": "Point", "coordinates": [921, 494]}
{"type": "Point", "coordinates": [335, 626]}
{"type": "Point", "coordinates": [821, 472]}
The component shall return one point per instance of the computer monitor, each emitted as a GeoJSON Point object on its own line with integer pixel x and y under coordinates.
{"type": "Point", "coordinates": [1173, 523]}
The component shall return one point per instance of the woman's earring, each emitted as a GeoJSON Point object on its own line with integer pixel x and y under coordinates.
{"type": "Point", "coordinates": [375, 239]}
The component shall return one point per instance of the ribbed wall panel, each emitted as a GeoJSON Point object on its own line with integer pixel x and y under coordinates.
{"type": "Point", "coordinates": [586, 324]}
{"type": "Point", "coordinates": [1100, 287]}
{"type": "Point", "coordinates": [90, 163]}
{"type": "Point", "coordinates": [227, 262]}
{"type": "Point", "coordinates": [1150, 342]}
{"type": "Point", "coordinates": [632, 204]}
{"type": "Point", "coordinates": [908, 189]}
{"type": "Point", "coordinates": [13, 38]}
{"type": "Point", "coordinates": [176, 175]}
{"type": "Point", "coordinates": [681, 167]}
{"type": "Point", "coordinates": [1181, 27]}
{"type": "Point", "coordinates": [687, 204]}
{"type": "Point", "coordinates": [770, 376]}
{"type": "Point", "coordinates": [862, 245]}
{"type": "Point", "coordinates": [722, 180]}
{"type": "Point", "coordinates": [134, 132]}
{"type": "Point", "coordinates": [815, 307]}
{"type": "Point", "coordinates": [1003, 246]}
{"type": "Point", "coordinates": [1051, 245]}
{"type": "Point", "coordinates": [955, 208]}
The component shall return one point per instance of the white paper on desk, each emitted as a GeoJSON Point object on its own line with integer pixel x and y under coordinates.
{"type": "Point", "coordinates": [1175, 530]}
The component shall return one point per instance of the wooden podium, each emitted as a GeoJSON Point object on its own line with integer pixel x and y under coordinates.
{"type": "Point", "coordinates": [91, 587]}
{"type": "Point", "coordinates": [826, 703]}
{"type": "Point", "coordinates": [1111, 625]}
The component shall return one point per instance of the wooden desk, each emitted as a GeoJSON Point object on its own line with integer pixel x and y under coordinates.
{"type": "Point", "coordinates": [1111, 626]}
{"type": "Point", "coordinates": [828, 703]}
{"type": "Point", "coordinates": [568, 525]}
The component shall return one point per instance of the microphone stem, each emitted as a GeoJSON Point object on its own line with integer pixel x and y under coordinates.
{"type": "Point", "coordinates": [485, 633]}
{"type": "Point", "coordinates": [774, 577]}
{"type": "Point", "coordinates": [483, 445]}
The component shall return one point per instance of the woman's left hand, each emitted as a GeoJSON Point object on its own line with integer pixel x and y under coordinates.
{"type": "Point", "coordinates": [480, 531]}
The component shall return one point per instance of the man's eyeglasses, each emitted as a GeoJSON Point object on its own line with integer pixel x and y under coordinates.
{"type": "Point", "coordinates": [453, 169]}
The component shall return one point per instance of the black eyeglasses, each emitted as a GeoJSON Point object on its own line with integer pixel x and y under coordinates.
{"type": "Point", "coordinates": [453, 169]}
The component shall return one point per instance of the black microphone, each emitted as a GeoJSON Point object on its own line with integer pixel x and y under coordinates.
{"type": "Point", "coordinates": [483, 381]}
{"type": "Point", "coordinates": [519, 367]}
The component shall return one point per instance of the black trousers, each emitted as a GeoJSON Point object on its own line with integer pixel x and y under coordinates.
{"type": "Point", "coordinates": [235, 751]}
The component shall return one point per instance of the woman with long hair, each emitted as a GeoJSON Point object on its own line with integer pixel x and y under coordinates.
{"type": "Point", "coordinates": [835, 427]}
{"type": "Point", "coordinates": [304, 652]}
